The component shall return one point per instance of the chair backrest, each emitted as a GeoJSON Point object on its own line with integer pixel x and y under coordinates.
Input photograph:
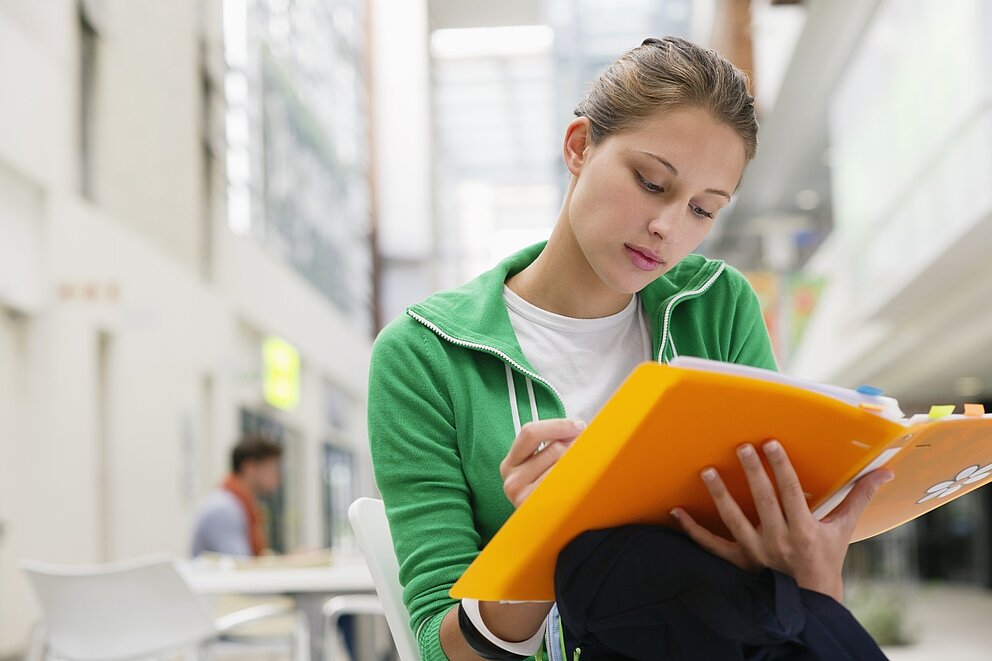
{"type": "Point", "coordinates": [368, 519]}
{"type": "Point", "coordinates": [120, 610]}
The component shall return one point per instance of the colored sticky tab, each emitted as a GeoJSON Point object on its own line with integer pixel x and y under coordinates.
{"type": "Point", "coordinates": [874, 408]}
{"type": "Point", "coordinates": [974, 410]}
{"type": "Point", "coordinates": [941, 411]}
{"type": "Point", "coordinates": [869, 390]}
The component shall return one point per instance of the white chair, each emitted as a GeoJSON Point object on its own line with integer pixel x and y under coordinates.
{"type": "Point", "coordinates": [128, 610]}
{"type": "Point", "coordinates": [368, 519]}
{"type": "Point", "coordinates": [345, 604]}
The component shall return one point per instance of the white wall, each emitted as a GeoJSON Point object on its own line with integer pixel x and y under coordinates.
{"type": "Point", "coordinates": [905, 307]}
{"type": "Point", "coordinates": [39, 86]}
{"type": "Point", "coordinates": [13, 444]}
{"type": "Point", "coordinates": [23, 232]}
{"type": "Point", "coordinates": [147, 133]}
{"type": "Point", "coordinates": [403, 147]}
{"type": "Point", "coordinates": [104, 454]}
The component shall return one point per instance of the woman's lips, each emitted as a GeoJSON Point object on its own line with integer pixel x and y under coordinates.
{"type": "Point", "coordinates": [643, 261]}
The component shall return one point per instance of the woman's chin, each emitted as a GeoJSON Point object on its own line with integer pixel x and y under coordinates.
{"type": "Point", "coordinates": [624, 280]}
{"type": "Point", "coordinates": [632, 282]}
{"type": "Point", "coordinates": [628, 285]}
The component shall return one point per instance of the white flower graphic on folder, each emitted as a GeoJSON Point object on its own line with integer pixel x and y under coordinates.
{"type": "Point", "coordinates": [967, 476]}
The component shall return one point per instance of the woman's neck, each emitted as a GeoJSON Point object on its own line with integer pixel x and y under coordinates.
{"type": "Point", "coordinates": [561, 280]}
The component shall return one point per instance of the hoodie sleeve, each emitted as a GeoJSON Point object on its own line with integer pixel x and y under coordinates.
{"type": "Point", "coordinates": [419, 474]}
{"type": "Point", "coordinates": [750, 344]}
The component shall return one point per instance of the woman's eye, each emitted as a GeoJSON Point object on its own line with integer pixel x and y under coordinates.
{"type": "Point", "coordinates": [648, 186]}
{"type": "Point", "coordinates": [701, 212]}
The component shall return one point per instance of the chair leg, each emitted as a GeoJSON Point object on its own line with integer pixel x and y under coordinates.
{"type": "Point", "coordinates": [37, 643]}
{"type": "Point", "coordinates": [333, 644]}
{"type": "Point", "coordinates": [202, 652]}
{"type": "Point", "coordinates": [301, 637]}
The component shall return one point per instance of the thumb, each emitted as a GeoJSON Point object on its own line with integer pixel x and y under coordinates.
{"type": "Point", "coordinates": [850, 510]}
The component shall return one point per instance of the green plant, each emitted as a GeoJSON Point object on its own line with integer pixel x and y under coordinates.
{"type": "Point", "coordinates": [880, 609]}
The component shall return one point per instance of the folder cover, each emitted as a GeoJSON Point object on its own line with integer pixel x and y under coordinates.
{"type": "Point", "coordinates": [643, 453]}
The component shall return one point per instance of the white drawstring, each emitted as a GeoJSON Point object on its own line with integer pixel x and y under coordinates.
{"type": "Point", "coordinates": [513, 398]}
{"type": "Point", "coordinates": [512, 390]}
{"type": "Point", "coordinates": [533, 400]}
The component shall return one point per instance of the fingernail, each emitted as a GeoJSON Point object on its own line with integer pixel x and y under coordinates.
{"type": "Point", "coordinates": [579, 424]}
{"type": "Point", "coordinates": [676, 512]}
{"type": "Point", "coordinates": [746, 450]}
{"type": "Point", "coordinates": [889, 477]}
{"type": "Point", "coordinates": [773, 447]}
{"type": "Point", "coordinates": [709, 474]}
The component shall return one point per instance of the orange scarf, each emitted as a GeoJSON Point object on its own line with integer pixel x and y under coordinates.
{"type": "Point", "coordinates": [256, 529]}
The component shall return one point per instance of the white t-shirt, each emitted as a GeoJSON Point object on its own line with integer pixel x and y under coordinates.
{"type": "Point", "coordinates": [585, 359]}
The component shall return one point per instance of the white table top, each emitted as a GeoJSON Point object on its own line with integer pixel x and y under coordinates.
{"type": "Point", "coordinates": [353, 577]}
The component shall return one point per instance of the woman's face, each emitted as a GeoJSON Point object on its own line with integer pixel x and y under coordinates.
{"type": "Point", "coordinates": [645, 197]}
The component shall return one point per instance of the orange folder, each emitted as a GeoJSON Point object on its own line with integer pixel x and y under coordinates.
{"type": "Point", "coordinates": [642, 455]}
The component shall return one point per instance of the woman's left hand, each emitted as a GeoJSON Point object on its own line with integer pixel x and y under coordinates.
{"type": "Point", "coordinates": [789, 538]}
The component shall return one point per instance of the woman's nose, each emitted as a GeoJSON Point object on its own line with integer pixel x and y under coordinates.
{"type": "Point", "coordinates": [667, 222]}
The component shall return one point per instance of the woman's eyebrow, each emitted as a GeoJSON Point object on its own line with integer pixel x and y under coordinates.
{"type": "Point", "coordinates": [661, 160]}
{"type": "Point", "coordinates": [671, 168]}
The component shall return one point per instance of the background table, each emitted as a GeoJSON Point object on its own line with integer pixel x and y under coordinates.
{"type": "Point", "coordinates": [309, 587]}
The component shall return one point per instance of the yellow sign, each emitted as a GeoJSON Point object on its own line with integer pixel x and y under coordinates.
{"type": "Point", "coordinates": [282, 373]}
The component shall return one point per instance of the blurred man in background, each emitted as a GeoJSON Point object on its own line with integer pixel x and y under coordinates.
{"type": "Point", "coordinates": [230, 521]}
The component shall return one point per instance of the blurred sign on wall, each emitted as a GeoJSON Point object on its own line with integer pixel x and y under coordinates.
{"type": "Point", "coordinates": [282, 373]}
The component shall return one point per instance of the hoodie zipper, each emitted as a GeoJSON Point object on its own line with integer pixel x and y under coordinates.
{"type": "Point", "coordinates": [679, 297]}
{"type": "Point", "coordinates": [491, 350]}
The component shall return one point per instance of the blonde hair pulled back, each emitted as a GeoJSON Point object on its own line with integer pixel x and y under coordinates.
{"type": "Point", "coordinates": [665, 74]}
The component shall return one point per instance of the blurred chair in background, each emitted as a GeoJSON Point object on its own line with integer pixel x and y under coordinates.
{"type": "Point", "coordinates": [346, 604]}
{"type": "Point", "coordinates": [368, 519]}
{"type": "Point", "coordinates": [133, 610]}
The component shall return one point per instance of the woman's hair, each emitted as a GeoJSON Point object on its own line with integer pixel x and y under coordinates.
{"type": "Point", "coordinates": [664, 74]}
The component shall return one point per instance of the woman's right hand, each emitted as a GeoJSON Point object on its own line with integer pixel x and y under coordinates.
{"type": "Point", "coordinates": [535, 450]}
{"type": "Point", "coordinates": [788, 538]}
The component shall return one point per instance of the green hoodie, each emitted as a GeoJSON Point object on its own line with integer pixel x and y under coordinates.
{"type": "Point", "coordinates": [441, 419]}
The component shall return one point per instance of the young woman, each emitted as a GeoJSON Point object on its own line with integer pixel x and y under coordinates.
{"type": "Point", "coordinates": [475, 393]}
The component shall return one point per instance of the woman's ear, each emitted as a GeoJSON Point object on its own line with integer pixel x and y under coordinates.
{"type": "Point", "coordinates": [576, 145]}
